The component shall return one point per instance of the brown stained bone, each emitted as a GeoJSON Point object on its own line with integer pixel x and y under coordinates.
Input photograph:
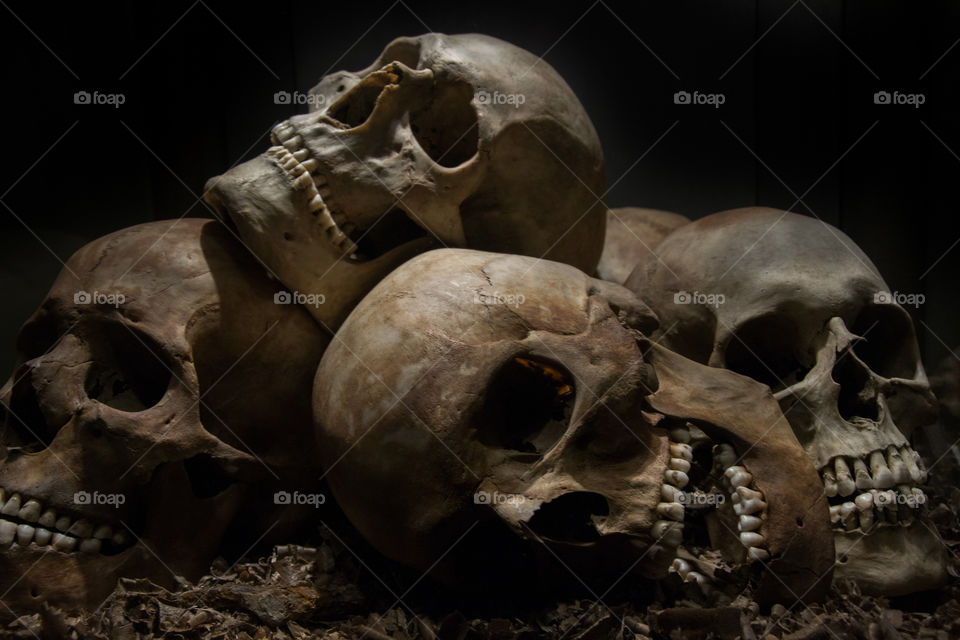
{"type": "Point", "coordinates": [632, 234]}
{"type": "Point", "coordinates": [463, 141]}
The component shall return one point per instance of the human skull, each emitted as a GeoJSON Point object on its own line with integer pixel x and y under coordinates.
{"type": "Point", "coordinates": [517, 400]}
{"type": "Point", "coordinates": [146, 399]}
{"type": "Point", "coordinates": [460, 140]}
{"type": "Point", "coordinates": [794, 303]}
{"type": "Point", "coordinates": [632, 234]}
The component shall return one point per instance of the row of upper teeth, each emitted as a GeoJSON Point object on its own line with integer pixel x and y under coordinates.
{"type": "Point", "coordinates": [44, 527]}
{"type": "Point", "coordinates": [748, 504]}
{"type": "Point", "coordinates": [303, 170]}
{"type": "Point", "coordinates": [882, 469]}
{"type": "Point", "coordinates": [669, 529]}
{"type": "Point", "coordinates": [877, 507]}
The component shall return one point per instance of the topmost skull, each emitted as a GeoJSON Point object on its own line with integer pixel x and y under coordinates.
{"type": "Point", "coordinates": [464, 140]}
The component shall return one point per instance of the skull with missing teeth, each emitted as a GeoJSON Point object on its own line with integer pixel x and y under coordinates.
{"type": "Point", "coordinates": [466, 140]}
{"type": "Point", "coordinates": [517, 400]}
{"type": "Point", "coordinates": [133, 426]}
{"type": "Point", "coordinates": [794, 303]}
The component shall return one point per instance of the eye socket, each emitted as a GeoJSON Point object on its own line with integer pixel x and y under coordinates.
{"type": "Point", "coordinates": [763, 349]}
{"type": "Point", "coordinates": [447, 127]}
{"type": "Point", "coordinates": [127, 373]}
{"type": "Point", "coordinates": [355, 107]}
{"type": "Point", "coordinates": [889, 345]}
{"type": "Point", "coordinates": [527, 407]}
{"type": "Point", "coordinates": [37, 336]}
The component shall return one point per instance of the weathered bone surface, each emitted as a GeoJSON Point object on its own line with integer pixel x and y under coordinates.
{"type": "Point", "coordinates": [632, 234]}
{"type": "Point", "coordinates": [461, 140]}
{"type": "Point", "coordinates": [794, 303]}
{"type": "Point", "coordinates": [519, 400]}
{"type": "Point", "coordinates": [152, 388]}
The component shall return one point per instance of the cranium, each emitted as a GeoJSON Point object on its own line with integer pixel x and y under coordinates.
{"type": "Point", "coordinates": [517, 399]}
{"type": "Point", "coordinates": [632, 234]}
{"type": "Point", "coordinates": [464, 140]}
{"type": "Point", "coordinates": [149, 384]}
{"type": "Point", "coordinates": [794, 303]}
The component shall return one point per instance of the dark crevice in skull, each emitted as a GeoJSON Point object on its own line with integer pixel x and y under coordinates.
{"type": "Point", "coordinates": [447, 127]}
{"type": "Point", "coordinates": [24, 425]}
{"type": "Point", "coordinates": [855, 399]}
{"type": "Point", "coordinates": [391, 230]}
{"type": "Point", "coordinates": [761, 350]}
{"type": "Point", "coordinates": [570, 517]}
{"type": "Point", "coordinates": [527, 407]}
{"type": "Point", "coordinates": [125, 373]}
{"type": "Point", "coordinates": [888, 347]}
{"type": "Point", "coordinates": [357, 105]}
{"type": "Point", "coordinates": [207, 478]}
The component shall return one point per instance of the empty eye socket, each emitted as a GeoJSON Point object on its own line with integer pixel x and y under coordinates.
{"type": "Point", "coordinates": [527, 407]}
{"type": "Point", "coordinates": [889, 346]}
{"type": "Point", "coordinates": [127, 372]}
{"type": "Point", "coordinates": [447, 127]}
{"type": "Point", "coordinates": [356, 106]}
{"type": "Point", "coordinates": [764, 349]}
{"type": "Point", "coordinates": [207, 477]}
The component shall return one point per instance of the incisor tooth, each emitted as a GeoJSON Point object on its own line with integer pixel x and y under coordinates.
{"type": "Point", "coordinates": [751, 539]}
{"type": "Point", "coordinates": [12, 507]}
{"type": "Point", "coordinates": [62, 523]}
{"type": "Point", "coordinates": [882, 478]}
{"type": "Point", "coordinates": [8, 532]}
{"type": "Point", "coordinates": [669, 493]}
{"type": "Point", "coordinates": [845, 483]}
{"type": "Point", "coordinates": [757, 554]}
{"type": "Point", "coordinates": [24, 534]}
{"type": "Point", "coordinates": [63, 543]}
{"type": "Point", "coordinates": [48, 519]}
{"type": "Point", "coordinates": [30, 511]}
{"type": "Point", "coordinates": [42, 536]}
{"type": "Point", "coordinates": [749, 523]}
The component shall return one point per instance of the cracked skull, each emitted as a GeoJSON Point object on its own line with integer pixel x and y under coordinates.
{"type": "Point", "coordinates": [460, 140]}
{"type": "Point", "coordinates": [479, 409]}
{"type": "Point", "coordinates": [794, 303]}
{"type": "Point", "coordinates": [134, 422]}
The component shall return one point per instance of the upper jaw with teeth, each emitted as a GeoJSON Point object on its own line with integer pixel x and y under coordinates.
{"type": "Point", "coordinates": [881, 488]}
{"type": "Point", "coordinates": [290, 154]}
{"type": "Point", "coordinates": [27, 521]}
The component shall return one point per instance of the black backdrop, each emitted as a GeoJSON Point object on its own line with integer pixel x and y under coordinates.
{"type": "Point", "coordinates": [798, 128]}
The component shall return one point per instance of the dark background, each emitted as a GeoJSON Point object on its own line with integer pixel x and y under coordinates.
{"type": "Point", "coordinates": [798, 130]}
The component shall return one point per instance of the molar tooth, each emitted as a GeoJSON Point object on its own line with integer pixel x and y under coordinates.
{"type": "Point", "coordinates": [681, 566]}
{"type": "Point", "coordinates": [829, 482]}
{"type": "Point", "coordinates": [63, 543]}
{"type": "Point", "coordinates": [749, 494]}
{"type": "Point", "coordinates": [907, 455]}
{"type": "Point", "coordinates": [693, 576]}
{"type": "Point", "coordinates": [62, 523]}
{"type": "Point", "coordinates": [882, 477]}
{"type": "Point", "coordinates": [293, 143]}
{"type": "Point", "coordinates": [845, 484]}
{"type": "Point", "coordinates": [864, 481]}
{"type": "Point", "coordinates": [303, 181]}
{"type": "Point", "coordinates": [738, 476]}
{"type": "Point", "coordinates": [12, 507]}
{"type": "Point", "coordinates": [103, 532]}
{"type": "Point", "coordinates": [42, 536]}
{"type": "Point", "coordinates": [682, 451]}
{"type": "Point", "coordinates": [90, 545]}
{"type": "Point", "coordinates": [30, 511]}
{"type": "Point", "coordinates": [749, 523]}
{"type": "Point", "coordinates": [301, 154]}
{"type": "Point", "coordinates": [282, 132]}
{"type": "Point", "coordinates": [290, 164]}
{"type": "Point", "coordinates": [311, 165]}
{"type": "Point", "coordinates": [864, 502]}
{"type": "Point", "coordinates": [8, 532]}
{"type": "Point", "coordinates": [671, 511]}
{"type": "Point", "coordinates": [120, 538]}
{"type": "Point", "coordinates": [81, 528]}
{"type": "Point", "coordinates": [669, 493]}
{"type": "Point", "coordinates": [834, 514]}
{"type": "Point", "coordinates": [748, 506]}
{"type": "Point", "coordinates": [679, 464]}
{"type": "Point", "coordinates": [751, 539]}
{"type": "Point", "coordinates": [724, 456]}
{"type": "Point", "coordinates": [669, 533]}
{"type": "Point", "coordinates": [757, 554]}
{"type": "Point", "coordinates": [680, 434]}
{"type": "Point", "coordinates": [848, 511]}
{"type": "Point", "coordinates": [866, 520]}
{"type": "Point", "coordinates": [24, 534]}
{"type": "Point", "coordinates": [897, 468]}
{"type": "Point", "coordinates": [677, 478]}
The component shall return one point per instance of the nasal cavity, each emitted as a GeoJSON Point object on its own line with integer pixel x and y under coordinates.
{"type": "Point", "coordinates": [857, 397]}
{"type": "Point", "coordinates": [23, 423]}
{"type": "Point", "coordinates": [570, 518]}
